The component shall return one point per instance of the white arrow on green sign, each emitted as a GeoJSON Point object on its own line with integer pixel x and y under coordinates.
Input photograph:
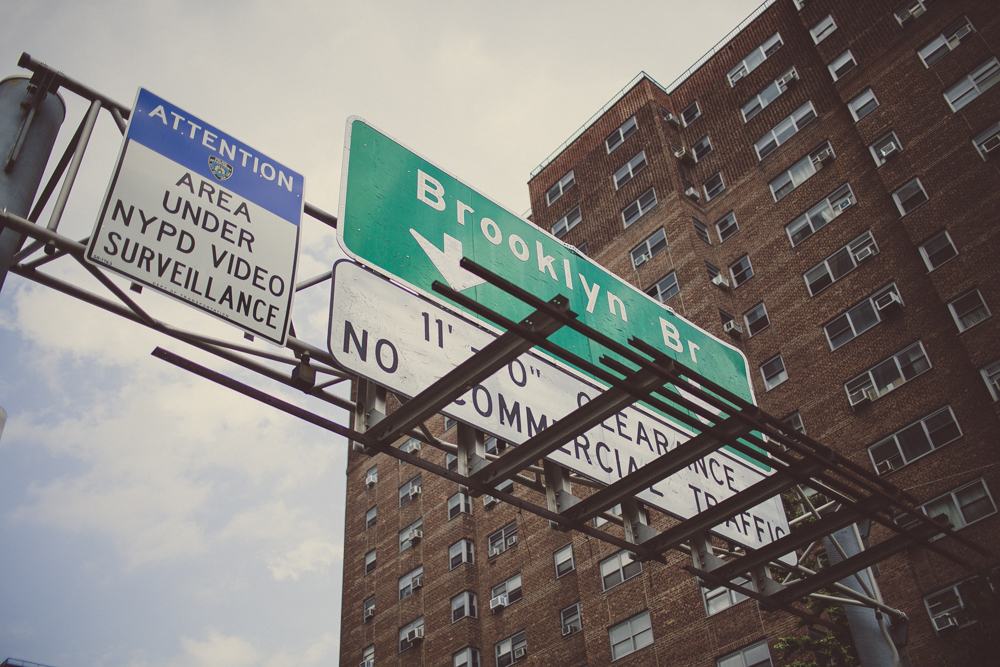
{"type": "Point", "coordinates": [413, 221]}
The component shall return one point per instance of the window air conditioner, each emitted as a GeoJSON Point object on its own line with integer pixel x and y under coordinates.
{"type": "Point", "coordinates": [945, 621]}
{"type": "Point", "coordinates": [414, 535]}
{"type": "Point", "coordinates": [720, 280]}
{"type": "Point", "coordinates": [672, 119]}
{"type": "Point", "coordinates": [416, 634]}
{"type": "Point", "coordinates": [413, 446]}
{"type": "Point", "coordinates": [884, 467]}
{"type": "Point", "coordinates": [511, 541]}
{"type": "Point", "coordinates": [369, 482]}
{"type": "Point", "coordinates": [863, 253]}
{"type": "Point", "coordinates": [692, 194]}
{"type": "Point", "coordinates": [367, 663]}
{"type": "Point", "coordinates": [499, 602]}
{"type": "Point", "coordinates": [887, 301]}
{"type": "Point", "coordinates": [520, 652]}
{"type": "Point", "coordinates": [845, 203]}
{"type": "Point", "coordinates": [414, 491]}
{"type": "Point", "coordinates": [789, 79]}
{"type": "Point", "coordinates": [889, 149]}
{"type": "Point", "coordinates": [417, 581]}
{"type": "Point", "coordinates": [489, 501]}
{"type": "Point", "coordinates": [567, 630]}
{"type": "Point", "coordinates": [825, 156]}
{"type": "Point", "coordinates": [496, 551]}
{"type": "Point", "coordinates": [737, 76]}
{"type": "Point", "coordinates": [642, 259]}
{"type": "Point", "coordinates": [962, 32]}
{"type": "Point", "coordinates": [369, 613]}
{"type": "Point", "coordinates": [685, 156]}
{"type": "Point", "coordinates": [991, 144]}
{"type": "Point", "coordinates": [861, 397]}
{"type": "Point", "coordinates": [732, 328]}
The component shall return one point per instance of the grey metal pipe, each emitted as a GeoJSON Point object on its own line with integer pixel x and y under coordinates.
{"type": "Point", "coordinates": [74, 167]}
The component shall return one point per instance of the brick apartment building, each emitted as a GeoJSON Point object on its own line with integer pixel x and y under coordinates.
{"type": "Point", "coordinates": [829, 173]}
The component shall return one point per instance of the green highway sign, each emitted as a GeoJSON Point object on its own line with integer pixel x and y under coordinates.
{"type": "Point", "coordinates": [409, 219]}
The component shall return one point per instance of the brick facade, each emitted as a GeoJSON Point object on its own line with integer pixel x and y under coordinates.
{"type": "Point", "coordinates": [963, 191]}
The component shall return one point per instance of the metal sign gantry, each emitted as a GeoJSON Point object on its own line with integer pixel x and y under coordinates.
{"type": "Point", "coordinates": [637, 372]}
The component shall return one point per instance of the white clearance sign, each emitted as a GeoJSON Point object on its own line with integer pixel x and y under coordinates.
{"type": "Point", "coordinates": [202, 217]}
{"type": "Point", "coordinates": [405, 342]}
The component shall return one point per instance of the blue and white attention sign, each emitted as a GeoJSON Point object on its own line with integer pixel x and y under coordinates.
{"type": "Point", "coordinates": [194, 213]}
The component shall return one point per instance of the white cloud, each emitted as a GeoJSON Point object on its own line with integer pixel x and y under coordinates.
{"type": "Point", "coordinates": [311, 556]}
{"type": "Point", "coordinates": [219, 650]}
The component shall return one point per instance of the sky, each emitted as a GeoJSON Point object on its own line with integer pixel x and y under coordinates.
{"type": "Point", "coordinates": [149, 518]}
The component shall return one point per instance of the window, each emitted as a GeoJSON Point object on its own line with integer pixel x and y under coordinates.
{"type": "Point", "coordinates": [665, 288]}
{"type": "Point", "coordinates": [947, 608]}
{"type": "Point", "coordinates": [567, 222]}
{"type": "Point", "coordinates": [713, 186]}
{"type": "Point", "coordinates": [937, 250]}
{"type": "Point", "coordinates": [889, 374]}
{"type": "Point", "coordinates": [840, 263]}
{"type": "Point", "coordinates": [756, 319]}
{"type": "Point", "coordinates": [461, 552]}
{"type": "Point", "coordinates": [910, 196]}
{"type": "Point", "coordinates": [741, 271]}
{"type": "Point", "coordinates": [702, 148]}
{"type": "Point", "coordinates": [863, 104]}
{"type": "Point", "coordinates": [409, 491]}
{"type": "Point", "coordinates": [405, 634]}
{"type": "Point", "coordinates": [991, 374]}
{"type": "Point", "coordinates": [756, 57]}
{"type": "Point", "coordinates": [940, 46]}
{"type": "Point", "coordinates": [599, 520]}
{"type": "Point", "coordinates": [371, 517]}
{"type": "Point", "coordinates": [630, 636]}
{"type": "Point", "coordinates": [726, 227]}
{"type": "Point", "coordinates": [801, 171]}
{"type": "Point", "coordinates": [784, 130]}
{"type": "Point", "coordinates": [503, 539]}
{"type": "Point", "coordinates": [794, 421]}
{"type": "Point", "coordinates": [564, 561]}
{"type": "Point", "coordinates": [915, 440]}
{"type": "Point", "coordinates": [630, 169]}
{"type": "Point", "coordinates": [511, 589]}
{"type": "Point", "coordinates": [862, 317]}
{"type": "Point", "coordinates": [969, 310]}
{"type": "Point", "coordinates": [411, 535]}
{"type": "Point", "coordinates": [460, 503]}
{"type": "Point", "coordinates": [721, 598]}
{"type": "Point", "coordinates": [822, 30]}
{"type": "Point", "coordinates": [370, 562]}
{"type": "Point", "coordinates": [885, 147]}
{"type": "Point", "coordinates": [911, 10]}
{"type": "Point", "coordinates": [712, 271]}
{"type": "Point", "coordinates": [690, 112]}
{"type": "Point", "coordinates": [512, 649]}
{"type": "Point", "coordinates": [467, 657]}
{"type": "Point", "coordinates": [462, 605]}
{"type": "Point", "coordinates": [451, 461]}
{"type": "Point", "coordinates": [963, 506]}
{"type": "Point", "coordinates": [569, 618]}
{"type": "Point", "coordinates": [644, 251]}
{"type": "Point", "coordinates": [770, 93]}
{"type": "Point", "coordinates": [449, 422]}
{"type": "Point", "coordinates": [494, 446]}
{"type": "Point", "coordinates": [368, 655]}
{"type": "Point", "coordinates": [371, 477]}
{"type": "Point", "coordinates": [410, 582]}
{"type": "Point", "coordinates": [843, 64]}
{"type": "Point", "coordinates": [636, 209]}
{"type": "Point", "coordinates": [751, 656]}
{"type": "Point", "coordinates": [974, 85]}
{"type": "Point", "coordinates": [560, 188]}
{"type": "Point", "coordinates": [820, 215]}
{"type": "Point", "coordinates": [702, 231]}
{"type": "Point", "coordinates": [988, 141]}
{"type": "Point", "coordinates": [369, 609]}
{"type": "Point", "coordinates": [618, 137]}
{"type": "Point", "coordinates": [620, 567]}
{"type": "Point", "coordinates": [582, 248]}
{"type": "Point", "coordinates": [773, 371]}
